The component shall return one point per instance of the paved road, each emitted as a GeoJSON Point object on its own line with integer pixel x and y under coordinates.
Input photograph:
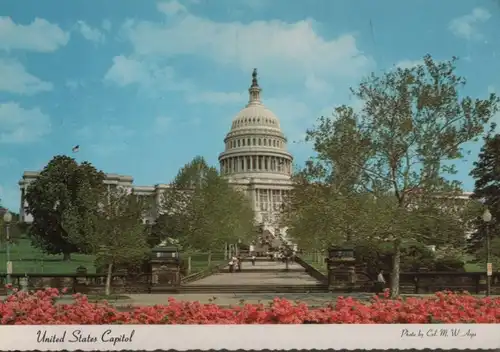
{"type": "Point", "coordinates": [259, 278]}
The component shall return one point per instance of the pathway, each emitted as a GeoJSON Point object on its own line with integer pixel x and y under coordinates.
{"type": "Point", "coordinates": [266, 277]}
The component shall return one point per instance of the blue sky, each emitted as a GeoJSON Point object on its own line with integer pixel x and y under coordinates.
{"type": "Point", "coordinates": [144, 86]}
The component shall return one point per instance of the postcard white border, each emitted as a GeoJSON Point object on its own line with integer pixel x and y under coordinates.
{"type": "Point", "coordinates": [253, 337]}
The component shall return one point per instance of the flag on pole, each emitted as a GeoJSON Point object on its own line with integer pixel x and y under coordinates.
{"type": "Point", "coordinates": [76, 148]}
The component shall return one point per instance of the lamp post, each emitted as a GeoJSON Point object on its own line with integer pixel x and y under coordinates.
{"type": "Point", "coordinates": [487, 218]}
{"type": "Point", "coordinates": [7, 218]}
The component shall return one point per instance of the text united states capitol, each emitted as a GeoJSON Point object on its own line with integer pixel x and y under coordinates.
{"type": "Point", "coordinates": [77, 336]}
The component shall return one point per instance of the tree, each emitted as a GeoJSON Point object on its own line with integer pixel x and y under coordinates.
{"type": "Point", "coordinates": [486, 173]}
{"type": "Point", "coordinates": [62, 200]}
{"type": "Point", "coordinates": [412, 127]}
{"type": "Point", "coordinates": [119, 236]}
{"type": "Point", "coordinates": [202, 211]}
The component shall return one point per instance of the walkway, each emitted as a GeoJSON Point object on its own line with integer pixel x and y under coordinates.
{"type": "Point", "coordinates": [266, 277]}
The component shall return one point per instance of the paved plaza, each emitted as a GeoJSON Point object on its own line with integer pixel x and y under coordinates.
{"type": "Point", "coordinates": [266, 277]}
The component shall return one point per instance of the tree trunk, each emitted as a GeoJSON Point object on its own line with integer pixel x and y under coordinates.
{"type": "Point", "coordinates": [66, 257]}
{"type": "Point", "coordinates": [108, 280]}
{"type": "Point", "coordinates": [396, 261]}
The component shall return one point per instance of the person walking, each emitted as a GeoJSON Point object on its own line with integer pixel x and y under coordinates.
{"type": "Point", "coordinates": [231, 265]}
{"type": "Point", "coordinates": [380, 284]}
{"type": "Point", "coordinates": [238, 262]}
{"type": "Point", "coordinates": [253, 260]}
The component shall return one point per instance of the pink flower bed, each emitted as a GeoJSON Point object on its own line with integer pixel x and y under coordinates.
{"type": "Point", "coordinates": [40, 307]}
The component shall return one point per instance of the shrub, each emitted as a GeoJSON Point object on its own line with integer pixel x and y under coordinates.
{"type": "Point", "coordinates": [40, 307]}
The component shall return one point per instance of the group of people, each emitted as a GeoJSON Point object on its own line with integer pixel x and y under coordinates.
{"type": "Point", "coordinates": [234, 264]}
{"type": "Point", "coordinates": [280, 256]}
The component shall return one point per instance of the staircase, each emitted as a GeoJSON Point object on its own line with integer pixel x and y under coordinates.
{"type": "Point", "coordinates": [267, 276]}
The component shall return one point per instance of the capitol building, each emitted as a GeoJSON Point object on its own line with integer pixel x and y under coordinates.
{"type": "Point", "coordinates": [255, 161]}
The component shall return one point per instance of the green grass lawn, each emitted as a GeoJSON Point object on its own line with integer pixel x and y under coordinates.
{"type": "Point", "coordinates": [199, 261]}
{"type": "Point", "coordinates": [28, 259]}
{"type": "Point", "coordinates": [309, 258]}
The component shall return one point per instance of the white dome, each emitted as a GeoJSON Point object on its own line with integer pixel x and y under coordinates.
{"type": "Point", "coordinates": [255, 115]}
{"type": "Point", "coordinates": [255, 145]}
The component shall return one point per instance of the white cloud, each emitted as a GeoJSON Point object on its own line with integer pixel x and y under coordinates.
{"type": "Point", "coordinates": [465, 27]}
{"type": "Point", "coordinates": [106, 25]}
{"type": "Point", "coordinates": [15, 79]}
{"type": "Point", "coordinates": [171, 7]}
{"type": "Point", "coordinates": [409, 63]}
{"type": "Point", "coordinates": [89, 33]}
{"type": "Point", "coordinates": [19, 125]}
{"type": "Point", "coordinates": [40, 35]}
{"type": "Point", "coordinates": [154, 79]}
{"type": "Point", "coordinates": [128, 71]}
{"type": "Point", "coordinates": [316, 85]}
{"type": "Point", "coordinates": [285, 49]}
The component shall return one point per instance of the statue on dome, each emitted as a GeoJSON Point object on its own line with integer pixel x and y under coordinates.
{"type": "Point", "coordinates": [254, 78]}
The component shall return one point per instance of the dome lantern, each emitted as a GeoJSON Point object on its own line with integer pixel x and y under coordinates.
{"type": "Point", "coordinates": [254, 90]}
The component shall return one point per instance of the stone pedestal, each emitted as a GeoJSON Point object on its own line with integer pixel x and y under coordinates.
{"type": "Point", "coordinates": [166, 274]}
{"type": "Point", "coordinates": [165, 267]}
{"type": "Point", "coordinates": [341, 269]}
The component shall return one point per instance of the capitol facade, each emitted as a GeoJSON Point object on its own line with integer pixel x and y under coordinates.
{"type": "Point", "coordinates": [255, 161]}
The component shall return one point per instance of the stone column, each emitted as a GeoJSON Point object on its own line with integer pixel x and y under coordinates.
{"type": "Point", "coordinates": [257, 198]}
{"type": "Point", "coordinates": [21, 208]}
{"type": "Point", "coordinates": [270, 199]}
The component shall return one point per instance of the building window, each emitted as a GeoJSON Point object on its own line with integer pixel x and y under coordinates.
{"type": "Point", "coordinates": [253, 142]}
{"type": "Point", "coordinates": [260, 141]}
{"type": "Point", "coordinates": [263, 199]}
{"type": "Point", "coordinates": [243, 142]}
{"type": "Point", "coordinates": [238, 142]}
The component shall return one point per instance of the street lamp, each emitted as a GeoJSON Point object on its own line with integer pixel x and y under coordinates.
{"type": "Point", "coordinates": [487, 218]}
{"type": "Point", "coordinates": [7, 218]}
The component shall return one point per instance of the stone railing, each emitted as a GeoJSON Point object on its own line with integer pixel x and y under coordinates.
{"type": "Point", "coordinates": [312, 271]}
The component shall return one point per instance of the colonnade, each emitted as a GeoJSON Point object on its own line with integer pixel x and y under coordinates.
{"type": "Point", "coordinates": [270, 199]}
{"type": "Point", "coordinates": [256, 163]}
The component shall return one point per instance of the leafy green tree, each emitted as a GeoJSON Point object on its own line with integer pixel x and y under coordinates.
{"type": "Point", "coordinates": [202, 211]}
{"type": "Point", "coordinates": [119, 236]}
{"type": "Point", "coordinates": [486, 173]}
{"type": "Point", "coordinates": [413, 125]}
{"type": "Point", "coordinates": [62, 200]}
